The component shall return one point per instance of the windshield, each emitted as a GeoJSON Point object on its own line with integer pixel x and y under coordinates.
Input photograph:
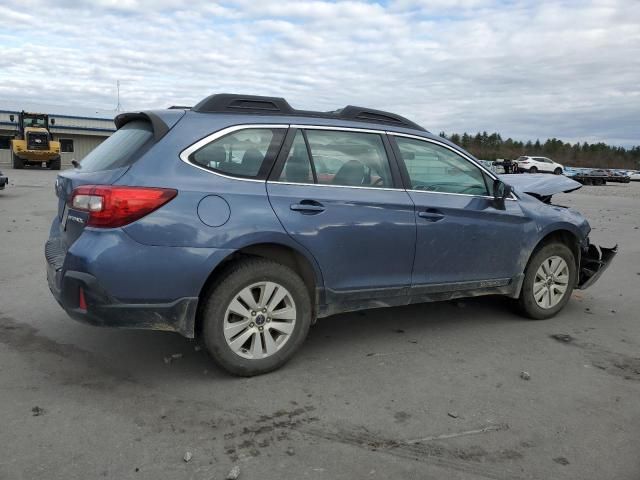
{"type": "Point", "coordinates": [119, 149]}
{"type": "Point", "coordinates": [34, 122]}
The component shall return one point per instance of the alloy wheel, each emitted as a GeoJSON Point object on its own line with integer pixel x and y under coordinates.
{"type": "Point", "coordinates": [551, 282]}
{"type": "Point", "coordinates": [259, 320]}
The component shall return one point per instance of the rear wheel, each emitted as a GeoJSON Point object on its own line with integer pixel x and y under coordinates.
{"type": "Point", "coordinates": [256, 316]}
{"type": "Point", "coordinates": [18, 163]}
{"type": "Point", "coordinates": [533, 170]}
{"type": "Point", "coordinates": [548, 282]}
{"type": "Point", "coordinates": [55, 164]}
{"type": "Point", "coordinates": [558, 171]}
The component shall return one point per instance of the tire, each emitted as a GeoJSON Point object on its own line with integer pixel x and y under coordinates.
{"type": "Point", "coordinates": [253, 275]}
{"type": "Point", "coordinates": [55, 164]}
{"type": "Point", "coordinates": [18, 163]}
{"type": "Point", "coordinates": [527, 302]}
{"type": "Point", "coordinates": [557, 171]}
{"type": "Point", "coordinates": [533, 170]}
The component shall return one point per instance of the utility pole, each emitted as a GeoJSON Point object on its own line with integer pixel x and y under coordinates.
{"type": "Point", "coordinates": [118, 107]}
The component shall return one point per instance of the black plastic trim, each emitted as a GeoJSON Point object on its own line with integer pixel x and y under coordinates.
{"type": "Point", "coordinates": [160, 128]}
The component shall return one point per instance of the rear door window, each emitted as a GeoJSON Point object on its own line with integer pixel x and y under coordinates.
{"type": "Point", "coordinates": [120, 149]}
{"type": "Point", "coordinates": [247, 153]}
{"type": "Point", "coordinates": [334, 157]}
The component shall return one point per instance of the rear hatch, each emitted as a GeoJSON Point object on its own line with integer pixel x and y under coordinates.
{"type": "Point", "coordinates": [102, 166]}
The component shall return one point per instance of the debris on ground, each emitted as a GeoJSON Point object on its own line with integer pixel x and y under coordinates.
{"type": "Point", "coordinates": [234, 473]}
{"type": "Point", "coordinates": [525, 375]}
{"type": "Point", "coordinates": [453, 414]}
{"type": "Point", "coordinates": [562, 337]}
{"type": "Point", "coordinates": [399, 330]}
{"type": "Point", "coordinates": [197, 348]}
{"type": "Point", "coordinates": [588, 310]}
{"type": "Point", "coordinates": [187, 456]}
{"type": "Point", "coordinates": [172, 357]}
{"type": "Point", "coordinates": [291, 451]}
{"type": "Point", "coordinates": [561, 460]}
{"type": "Point", "coordinates": [37, 411]}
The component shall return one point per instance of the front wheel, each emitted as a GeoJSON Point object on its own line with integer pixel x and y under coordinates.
{"type": "Point", "coordinates": [533, 170]}
{"type": "Point", "coordinates": [256, 316]}
{"type": "Point", "coordinates": [18, 163]}
{"type": "Point", "coordinates": [55, 164]}
{"type": "Point", "coordinates": [558, 171]}
{"type": "Point", "coordinates": [548, 282]}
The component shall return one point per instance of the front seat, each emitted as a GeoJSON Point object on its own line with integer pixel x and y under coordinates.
{"type": "Point", "coordinates": [251, 161]}
{"type": "Point", "coordinates": [351, 173]}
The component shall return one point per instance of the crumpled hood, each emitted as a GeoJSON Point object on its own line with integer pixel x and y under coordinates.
{"type": "Point", "coordinates": [540, 185]}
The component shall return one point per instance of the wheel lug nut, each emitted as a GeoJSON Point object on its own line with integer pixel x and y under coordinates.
{"type": "Point", "coordinates": [264, 310]}
{"type": "Point", "coordinates": [251, 325]}
{"type": "Point", "coordinates": [260, 328]}
{"type": "Point", "coordinates": [253, 314]}
{"type": "Point", "coordinates": [268, 319]}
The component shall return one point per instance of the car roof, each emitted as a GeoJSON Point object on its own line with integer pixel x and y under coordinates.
{"type": "Point", "coordinates": [235, 109]}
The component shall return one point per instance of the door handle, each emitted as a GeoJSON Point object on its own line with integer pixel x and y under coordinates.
{"type": "Point", "coordinates": [308, 207]}
{"type": "Point", "coordinates": [431, 214]}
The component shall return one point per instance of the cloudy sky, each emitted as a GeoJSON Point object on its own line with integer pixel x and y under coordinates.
{"type": "Point", "coordinates": [526, 68]}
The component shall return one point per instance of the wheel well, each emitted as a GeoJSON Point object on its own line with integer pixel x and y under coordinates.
{"type": "Point", "coordinates": [561, 236]}
{"type": "Point", "coordinates": [272, 251]}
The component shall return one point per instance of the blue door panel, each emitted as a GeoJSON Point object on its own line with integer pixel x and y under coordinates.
{"type": "Point", "coordinates": [361, 238]}
{"type": "Point", "coordinates": [462, 238]}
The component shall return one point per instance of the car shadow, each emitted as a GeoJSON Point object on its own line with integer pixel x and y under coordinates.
{"type": "Point", "coordinates": [165, 355]}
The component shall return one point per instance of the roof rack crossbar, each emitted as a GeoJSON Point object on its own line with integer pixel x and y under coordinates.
{"type": "Point", "coordinates": [233, 103]}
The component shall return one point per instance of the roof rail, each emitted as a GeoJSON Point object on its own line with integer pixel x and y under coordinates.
{"type": "Point", "coordinates": [179, 107]}
{"type": "Point", "coordinates": [232, 103]}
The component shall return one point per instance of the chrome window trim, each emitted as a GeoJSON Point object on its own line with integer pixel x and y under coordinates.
{"type": "Point", "coordinates": [186, 153]}
{"type": "Point", "coordinates": [338, 186]}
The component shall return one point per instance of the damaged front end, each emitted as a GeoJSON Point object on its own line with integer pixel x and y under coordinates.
{"type": "Point", "coordinates": [593, 262]}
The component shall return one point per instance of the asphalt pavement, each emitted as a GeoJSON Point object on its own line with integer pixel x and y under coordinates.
{"type": "Point", "coordinates": [418, 392]}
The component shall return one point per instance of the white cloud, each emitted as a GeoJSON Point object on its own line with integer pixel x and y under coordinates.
{"type": "Point", "coordinates": [528, 69]}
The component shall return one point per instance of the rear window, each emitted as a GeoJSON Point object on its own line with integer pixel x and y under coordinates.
{"type": "Point", "coordinates": [247, 153]}
{"type": "Point", "coordinates": [119, 150]}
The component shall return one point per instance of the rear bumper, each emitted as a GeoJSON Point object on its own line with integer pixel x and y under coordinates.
{"type": "Point", "coordinates": [593, 263]}
{"type": "Point", "coordinates": [102, 310]}
{"type": "Point", "coordinates": [126, 284]}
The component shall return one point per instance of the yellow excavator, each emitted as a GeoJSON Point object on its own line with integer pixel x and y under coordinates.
{"type": "Point", "coordinates": [33, 144]}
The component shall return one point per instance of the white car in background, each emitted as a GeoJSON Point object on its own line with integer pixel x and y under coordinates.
{"type": "Point", "coordinates": [634, 176]}
{"type": "Point", "coordinates": [539, 164]}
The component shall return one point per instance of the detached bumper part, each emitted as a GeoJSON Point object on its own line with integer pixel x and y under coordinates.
{"type": "Point", "coordinates": [594, 261]}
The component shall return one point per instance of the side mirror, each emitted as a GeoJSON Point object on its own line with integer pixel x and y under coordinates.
{"type": "Point", "coordinates": [53, 121]}
{"type": "Point", "coordinates": [12, 118]}
{"type": "Point", "coordinates": [501, 191]}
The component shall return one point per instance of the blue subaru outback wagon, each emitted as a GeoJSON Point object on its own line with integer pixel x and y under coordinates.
{"type": "Point", "coordinates": [242, 220]}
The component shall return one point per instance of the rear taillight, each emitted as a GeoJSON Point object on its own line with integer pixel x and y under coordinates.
{"type": "Point", "coordinates": [114, 206]}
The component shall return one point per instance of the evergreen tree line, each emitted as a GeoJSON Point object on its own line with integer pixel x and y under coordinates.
{"type": "Point", "coordinates": [596, 155]}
